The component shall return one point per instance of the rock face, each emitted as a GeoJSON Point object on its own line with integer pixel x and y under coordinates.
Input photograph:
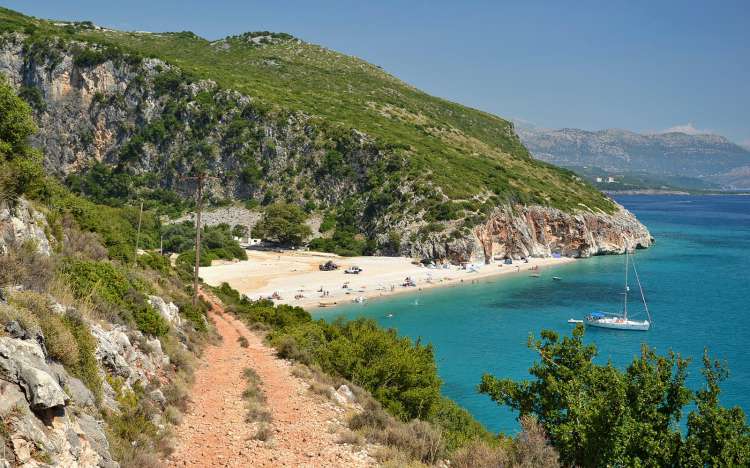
{"type": "Point", "coordinates": [34, 411]}
{"type": "Point", "coordinates": [20, 224]}
{"type": "Point", "coordinates": [534, 231]}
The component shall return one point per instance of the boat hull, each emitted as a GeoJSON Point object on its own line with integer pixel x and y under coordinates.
{"type": "Point", "coordinates": [619, 324]}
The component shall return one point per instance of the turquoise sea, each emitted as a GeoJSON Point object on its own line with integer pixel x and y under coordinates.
{"type": "Point", "coordinates": [697, 285]}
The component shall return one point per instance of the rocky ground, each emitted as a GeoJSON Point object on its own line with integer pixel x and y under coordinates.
{"type": "Point", "coordinates": [304, 426]}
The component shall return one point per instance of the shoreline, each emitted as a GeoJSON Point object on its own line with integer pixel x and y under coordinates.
{"type": "Point", "coordinates": [291, 274]}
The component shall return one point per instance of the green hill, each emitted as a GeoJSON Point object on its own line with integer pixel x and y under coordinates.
{"type": "Point", "coordinates": [465, 152]}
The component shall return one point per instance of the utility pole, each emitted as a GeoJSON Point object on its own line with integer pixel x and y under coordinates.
{"type": "Point", "coordinates": [198, 205]}
{"type": "Point", "coordinates": [200, 179]}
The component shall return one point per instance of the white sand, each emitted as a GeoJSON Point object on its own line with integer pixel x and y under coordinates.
{"type": "Point", "coordinates": [296, 273]}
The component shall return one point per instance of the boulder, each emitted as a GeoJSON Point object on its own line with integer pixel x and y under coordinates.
{"type": "Point", "coordinates": [22, 362]}
{"type": "Point", "coordinates": [110, 348]}
{"type": "Point", "coordinates": [42, 391]}
{"type": "Point", "coordinates": [169, 311]}
{"type": "Point", "coordinates": [336, 396]}
{"type": "Point", "coordinates": [345, 392]}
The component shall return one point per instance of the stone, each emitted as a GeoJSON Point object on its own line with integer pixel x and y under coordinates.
{"type": "Point", "coordinates": [23, 362]}
{"type": "Point", "coordinates": [336, 396]}
{"type": "Point", "coordinates": [346, 393]}
{"type": "Point", "coordinates": [11, 397]}
{"type": "Point", "coordinates": [79, 393]}
{"type": "Point", "coordinates": [158, 396]}
{"type": "Point", "coordinates": [15, 330]}
{"type": "Point", "coordinates": [169, 311]}
{"type": "Point", "coordinates": [42, 391]}
{"type": "Point", "coordinates": [109, 350]}
{"type": "Point", "coordinates": [22, 448]}
{"type": "Point", "coordinates": [93, 431]}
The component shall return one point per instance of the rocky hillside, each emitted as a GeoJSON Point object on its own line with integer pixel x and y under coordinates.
{"type": "Point", "coordinates": [79, 386]}
{"type": "Point", "coordinates": [273, 118]}
{"type": "Point", "coordinates": [710, 157]}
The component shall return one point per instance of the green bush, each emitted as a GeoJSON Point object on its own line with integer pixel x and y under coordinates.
{"type": "Point", "coordinates": [155, 262]}
{"type": "Point", "coordinates": [105, 280]}
{"type": "Point", "coordinates": [149, 321]}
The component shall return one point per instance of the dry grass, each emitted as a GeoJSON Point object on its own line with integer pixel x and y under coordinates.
{"type": "Point", "coordinates": [173, 415]}
{"type": "Point", "coordinates": [301, 371]}
{"type": "Point", "coordinates": [60, 343]}
{"type": "Point", "coordinates": [350, 438]}
{"type": "Point", "coordinates": [255, 398]}
{"type": "Point", "coordinates": [480, 454]}
{"type": "Point", "coordinates": [24, 266]}
{"type": "Point", "coordinates": [264, 432]}
{"type": "Point", "coordinates": [415, 441]}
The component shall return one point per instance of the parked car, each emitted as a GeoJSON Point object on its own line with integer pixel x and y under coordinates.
{"type": "Point", "coordinates": [328, 266]}
{"type": "Point", "coordinates": [354, 270]}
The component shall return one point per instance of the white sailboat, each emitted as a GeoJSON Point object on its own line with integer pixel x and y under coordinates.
{"type": "Point", "coordinates": [621, 321]}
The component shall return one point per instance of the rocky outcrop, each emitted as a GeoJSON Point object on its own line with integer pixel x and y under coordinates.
{"type": "Point", "coordinates": [535, 231]}
{"type": "Point", "coordinates": [20, 224]}
{"type": "Point", "coordinates": [35, 411]}
{"type": "Point", "coordinates": [48, 416]}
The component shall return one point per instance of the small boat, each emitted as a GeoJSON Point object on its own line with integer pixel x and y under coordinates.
{"type": "Point", "coordinates": [572, 320]}
{"type": "Point", "coordinates": [326, 304]}
{"type": "Point", "coordinates": [389, 315]}
{"type": "Point", "coordinates": [621, 321]}
{"type": "Point", "coordinates": [556, 278]}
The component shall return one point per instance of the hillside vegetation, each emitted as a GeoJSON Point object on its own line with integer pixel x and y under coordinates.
{"type": "Point", "coordinates": [461, 152]}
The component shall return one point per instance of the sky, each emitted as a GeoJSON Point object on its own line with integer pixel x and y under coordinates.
{"type": "Point", "coordinates": [636, 65]}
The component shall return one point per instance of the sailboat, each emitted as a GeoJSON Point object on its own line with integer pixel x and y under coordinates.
{"type": "Point", "coordinates": [621, 321]}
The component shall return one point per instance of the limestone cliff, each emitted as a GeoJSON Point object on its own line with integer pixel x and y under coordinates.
{"type": "Point", "coordinates": [535, 231]}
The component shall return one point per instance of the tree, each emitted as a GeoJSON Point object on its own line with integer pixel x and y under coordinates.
{"type": "Point", "coordinates": [283, 223]}
{"type": "Point", "coordinates": [598, 415]}
{"type": "Point", "coordinates": [16, 122]}
{"type": "Point", "coordinates": [716, 436]}
{"type": "Point", "coordinates": [240, 230]}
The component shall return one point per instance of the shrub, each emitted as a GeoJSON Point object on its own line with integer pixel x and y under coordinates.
{"type": "Point", "coordinates": [480, 454]}
{"type": "Point", "coordinates": [264, 432]}
{"type": "Point", "coordinates": [149, 321]}
{"type": "Point", "coordinates": [155, 262]}
{"type": "Point", "coordinates": [243, 341]}
{"type": "Point", "coordinates": [86, 368]}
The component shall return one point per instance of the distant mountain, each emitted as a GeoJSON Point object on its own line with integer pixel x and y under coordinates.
{"type": "Point", "coordinates": [709, 157]}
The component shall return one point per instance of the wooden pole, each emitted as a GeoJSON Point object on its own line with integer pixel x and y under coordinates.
{"type": "Point", "coordinates": [199, 203]}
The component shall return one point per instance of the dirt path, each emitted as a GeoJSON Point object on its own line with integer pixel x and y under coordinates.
{"type": "Point", "coordinates": [214, 431]}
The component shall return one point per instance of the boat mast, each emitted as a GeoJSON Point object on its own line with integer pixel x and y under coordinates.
{"type": "Point", "coordinates": [625, 301]}
{"type": "Point", "coordinates": [640, 288]}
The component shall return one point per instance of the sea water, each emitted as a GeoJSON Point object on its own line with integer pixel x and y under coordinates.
{"type": "Point", "coordinates": [697, 284]}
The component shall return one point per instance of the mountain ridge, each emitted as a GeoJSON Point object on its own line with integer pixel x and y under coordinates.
{"type": "Point", "coordinates": [710, 157]}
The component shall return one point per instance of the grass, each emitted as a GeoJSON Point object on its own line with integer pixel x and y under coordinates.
{"type": "Point", "coordinates": [255, 400]}
{"type": "Point", "coordinates": [464, 153]}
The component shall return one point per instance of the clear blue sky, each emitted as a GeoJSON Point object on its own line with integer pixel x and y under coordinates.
{"type": "Point", "coordinates": [637, 65]}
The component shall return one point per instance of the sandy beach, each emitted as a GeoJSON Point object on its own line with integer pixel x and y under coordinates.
{"type": "Point", "coordinates": [296, 279]}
